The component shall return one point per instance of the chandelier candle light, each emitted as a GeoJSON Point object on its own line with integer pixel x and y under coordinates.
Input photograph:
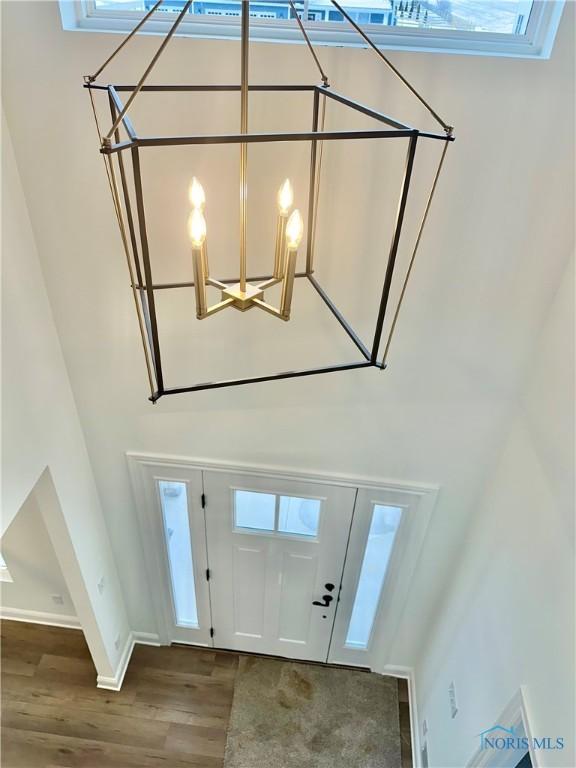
{"type": "Point", "coordinates": [288, 238]}
{"type": "Point", "coordinates": [121, 147]}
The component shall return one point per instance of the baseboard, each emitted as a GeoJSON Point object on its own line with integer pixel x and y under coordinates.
{"type": "Point", "coordinates": [146, 638]}
{"type": "Point", "coordinates": [39, 617]}
{"type": "Point", "coordinates": [408, 674]}
{"type": "Point", "coordinates": [115, 683]}
{"type": "Point", "coordinates": [141, 638]}
{"type": "Point", "coordinates": [71, 622]}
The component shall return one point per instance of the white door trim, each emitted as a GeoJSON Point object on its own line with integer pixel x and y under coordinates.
{"type": "Point", "coordinates": [290, 473]}
{"type": "Point", "coordinates": [515, 714]}
{"type": "Point", "coordinates": [424, 493]}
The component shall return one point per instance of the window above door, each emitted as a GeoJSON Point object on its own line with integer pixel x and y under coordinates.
{"type": "Point", "coordinates": [524, 28]}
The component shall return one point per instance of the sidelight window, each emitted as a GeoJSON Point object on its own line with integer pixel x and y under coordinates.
{"type": "Point", "coordinates": [174, 502]}
{"type": "Point", "coordinates": [381, 537]}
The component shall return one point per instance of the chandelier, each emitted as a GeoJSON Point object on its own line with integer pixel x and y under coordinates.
{"type": "Point", "coordinates": [121, 146]}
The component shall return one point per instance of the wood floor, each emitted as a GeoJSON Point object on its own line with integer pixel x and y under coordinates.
{"type": "Point", "coordinates": [172, 711]}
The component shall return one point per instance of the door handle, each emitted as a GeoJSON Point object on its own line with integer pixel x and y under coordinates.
{"type": "Point", "coordinates": [327, 600]}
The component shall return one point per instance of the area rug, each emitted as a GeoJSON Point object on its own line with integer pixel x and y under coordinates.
{"type": "Point", "coordinates": [288, 715]}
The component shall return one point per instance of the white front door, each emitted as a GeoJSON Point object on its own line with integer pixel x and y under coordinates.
{"type": "Point", "coordinates": [289, 567]}
{"type": "Point", "coordinates": [276, 553]}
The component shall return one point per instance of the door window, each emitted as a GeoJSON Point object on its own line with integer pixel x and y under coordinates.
{"type": "Point", "coordinates": [274, 513]}
{"type": "Point", "coordinates": [299, 516]}
{"type": "Point", "coordinates": [383, 529]}
{"type": "Point", "coordinates": [253, 510]}
{"type": "Point", "coordinates": [174, 502]}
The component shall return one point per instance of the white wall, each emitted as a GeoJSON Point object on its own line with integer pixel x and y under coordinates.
{"type": "Point", "coordinates": [43, 446]}
{"type": "Point", "coordinates": [33, 565]}
{"type": "Point", "coordinates": [496, 246]}
{"type": "Point", "coordinates": [508, 619]}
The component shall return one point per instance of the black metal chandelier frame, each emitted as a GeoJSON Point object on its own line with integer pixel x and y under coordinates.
{"type": "Point", "coordinates": [132, 223]}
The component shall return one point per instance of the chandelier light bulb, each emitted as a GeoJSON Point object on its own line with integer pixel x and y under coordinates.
{"type": "Point", "coordinates": [285, 197]}
{"type": "Point", "coordinates": [197, 228]}
{"type": "Point", "coordinates": [294, 230]}
{"type": "Point", "coordinates": [196, 194]}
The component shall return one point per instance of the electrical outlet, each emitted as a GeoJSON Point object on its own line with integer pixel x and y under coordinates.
{"type": "Point", "coordinates": [58, 599]}
{"type": "Point", "coordinates": [101, 584]}
{"type": "Point", "coordinates": [117, 642]}
{"type": "Point", "coordinates": [453, 701]}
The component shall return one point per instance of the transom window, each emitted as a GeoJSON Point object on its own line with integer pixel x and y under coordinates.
{"type": "Point", "coordinates": [260, 512]}
{"type": "Point", "coordinates": [497, 27]}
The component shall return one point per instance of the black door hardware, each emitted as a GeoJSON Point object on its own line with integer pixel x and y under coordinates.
{"type": "Point", "coordinates": [327, 600]}
{"type": "Point", "coordinates": [329, 587]}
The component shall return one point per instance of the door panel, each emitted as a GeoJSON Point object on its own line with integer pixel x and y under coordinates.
{"type": "Point", "coordinates": [273, 546]}
{"type": "Point", "coordinates": [299, 577]}
{"type": "Point", "coordinates": [250, 571]}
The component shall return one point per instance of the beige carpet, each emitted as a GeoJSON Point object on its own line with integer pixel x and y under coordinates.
{"type": "Point", "coordinates": [288, 715]}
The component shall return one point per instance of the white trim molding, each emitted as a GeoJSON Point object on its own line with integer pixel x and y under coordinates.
{"type": "Point", "coordinates": [134, 638]}
{"type": "Point", "coordinates": [407, 673]}
{"type": "Point", "coordinates": [39, 617]}
{"type": "Point", "coordinates": [270, 470]}
{"type": "Point", "coordinates": [115, 683]}
{"type": "Point", "coordinates": [146, 638]}
{"type": "Point", "coordinates": [514, 716]}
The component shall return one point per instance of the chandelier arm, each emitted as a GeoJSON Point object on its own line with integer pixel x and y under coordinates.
{"type": "Point", "coordinates": [93, 105]}
{"type": "Point", "coordinates": [91, 78]}
{"type": "Point", "coordinates": [394, 245]}
{"type": "Point", "coordinates": [413, 257]}
{"type": "Point", "coordinates": [313, 220]}
{"type": "Point", "coordinates": [267, 308]}
{"type": "Point", "coordinates": [219, 306]}
{"type": "Point", "coordinates": [149, 68]}
{"type": "Point", "coordinates": [129, 217]}
{"type": "Point", "coordinates": [109, 168]}
{"type": "Point", "coordinates": [310, 46]}
{"type": "Point", "coordinates": [340, 317]}
{"type": "Point", "coordinates": [117, 207]}
{"type": "Point", "coordinates": [269, 283]}
{"type": "Point", "coordinates": [449, 129]}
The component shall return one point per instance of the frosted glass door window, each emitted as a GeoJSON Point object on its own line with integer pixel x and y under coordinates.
{"type": "Point", "coordinates": [299, 516]}
{"type": "Point", "coordinates": [174, 501]}
{"type": "Point", "coordinates": [383, 529]}
{"type": "Point", "coordinates": [272, 513]}
{"type": "Point", "coordinates": [255, 511]}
